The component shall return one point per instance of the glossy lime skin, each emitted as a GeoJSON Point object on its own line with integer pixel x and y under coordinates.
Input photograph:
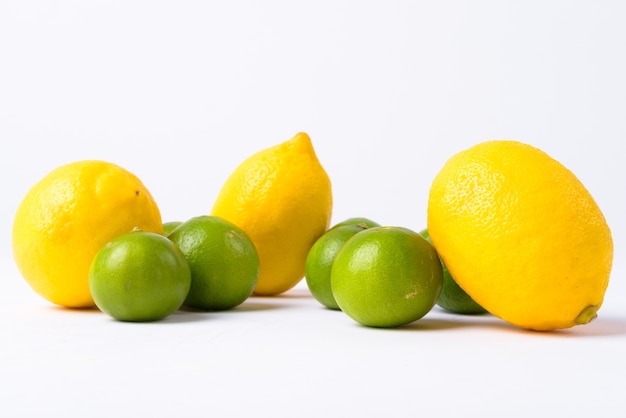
{"type": "Point", "coordinates": [320, 260]}
{"type": "Point", "coordinates": [386, 277]}
{"type": "Point", "coordinates": [359, 221]}
{"type": "Point", "coordinates": [223, 259]}
{"type": "Point", "coordinates": [139, 276]}
{"type": "Point", "coordinates": [453, 298]}
{"type": "Point", "coordinates": [168, 227]}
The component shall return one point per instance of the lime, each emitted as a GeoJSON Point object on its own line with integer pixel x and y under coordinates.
{"type": "Point", "coordinates": [168, 227]}
{"type": "Point", "coordinates": [362, 222]}
{"type": "Point", "coordinates": [224, 262]}
{"type": "Point", "coordinates": [452, 297]}
{"type": "Point", "coordinates": [386, 276]}
{"type": "Point", "coordinates": [139, 276]}
{"type": "Point", "coordinates": [320, 260]}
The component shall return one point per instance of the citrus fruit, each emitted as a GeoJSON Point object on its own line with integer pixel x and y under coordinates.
{"type": "Point", "coordinates": [521, 235]}
{"type": "Point", "coordinates": [281, 197]}
{"type": "Point", "coordinates": [223, 260]}
{"type": "Point", "coordinates": [66, 218]}
{"type": "Point", "coordinates": [139, 276]}
{"type": "Point", "coordinates": [452, 298]}
{"type": "Point", "coordinates": [320, 260]}
{"type": "Point", "coordinates": [386, 276]}
{"type": "Point", "coordinates": [363, 222]}
{"type": "Point", "coordinates": [168, 227]}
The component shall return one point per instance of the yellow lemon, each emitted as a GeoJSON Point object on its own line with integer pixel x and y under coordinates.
{"type": "Point", "coordinates": [65, 219]}
{"type": "Point", "coordinates": [521, 235]}
{"type": "Point", "coordinates": [281, 197]}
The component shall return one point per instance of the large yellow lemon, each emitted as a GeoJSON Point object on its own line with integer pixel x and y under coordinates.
{"type": "Point", "coordinates": [521, 235]}
{"type": "Point", "coordinates": [66, 218]}
{"type": "Point", "coordinates": [281, 197]}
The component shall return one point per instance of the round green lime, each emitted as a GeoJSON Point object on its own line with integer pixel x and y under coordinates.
{"type": "Point", "coordinates": [168, 227]}
{"type": "Point", "coordinates": [386, 277]}
{"type": "Point", "coordinates": [139, 276]}
{"type": "Point", "coordinates": [359, 221]}
{"type": "Point", "coordinates": [224, 262]}
{"type": "Point", "coordinates": [320, 259]}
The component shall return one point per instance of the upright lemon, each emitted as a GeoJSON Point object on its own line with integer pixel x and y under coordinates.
{"type": "Point", "coordinates": [521, 235]}
{"type": "Point", "coordinates": [281, 197]}
{"type": "Point", "coordinates": [66, 218]}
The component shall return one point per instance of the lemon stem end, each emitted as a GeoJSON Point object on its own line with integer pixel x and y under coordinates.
{"type": "Point", "coordinates": [587, 315]}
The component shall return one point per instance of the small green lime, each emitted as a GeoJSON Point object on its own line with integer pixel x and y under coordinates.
{"type": "Point", "coordinates": [139, 276]}
{"type": "Point", "coordinates": [453, 298]}
{"type": "Point", "coordinates": [224, 262]}
{"type": "Point", "coordinates": [386, 277]}
{"type": "Point", "coordinates": [168, 227]}
{"type": "Point", "coordinates": [319, 261]}
{"type": "Point", "coordinates": [362, 222]}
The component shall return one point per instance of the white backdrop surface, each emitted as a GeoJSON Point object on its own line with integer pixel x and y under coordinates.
{"type": "Point", "coordinates": [180, 92]}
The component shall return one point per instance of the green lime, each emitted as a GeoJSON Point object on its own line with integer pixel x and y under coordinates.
{"type": "Point", "coordinates": [139, 276]}
{"type": "Point", "coordinates": [168, 227]}
{"type": "Point", "coordinates": [453, 298]}
{"type": "Point", "coordinates": [319, 261]}
{"type": "Point", "coordinates": [362, 222]}
{"type": "Point", "coordinates": [386, 277]}
{"type": "Point", "coordinates": [224, 262]}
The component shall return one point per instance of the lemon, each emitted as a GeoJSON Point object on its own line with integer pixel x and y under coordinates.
{"type": "Point", "coordinates": [224, 262]}
{"type": "Point", "coordinates": [139, 276]}
{"type": "Point", "coordinates": [521, 235]}
{"type": "Point", "coordinates": [66, 218]}
{"type": "Point", "coordinates": [386, 276]}
{"type": "Point", "coordinates": [281, 198]}
{"type": "Point", "coordinates": [452, 298]}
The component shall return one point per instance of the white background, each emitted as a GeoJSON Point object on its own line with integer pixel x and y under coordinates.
{"type": "Point", "coordinates": [180, 92]}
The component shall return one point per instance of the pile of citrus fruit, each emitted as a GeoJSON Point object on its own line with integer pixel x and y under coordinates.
{"type": "Point", "coordinates": [510, 232]}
